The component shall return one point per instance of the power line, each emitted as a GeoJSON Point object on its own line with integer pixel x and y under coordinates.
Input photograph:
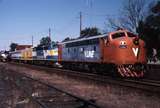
{"type": "Point", "coordinates": [100, 15]}
{"type": "Point", "coordinates": [67, 25]}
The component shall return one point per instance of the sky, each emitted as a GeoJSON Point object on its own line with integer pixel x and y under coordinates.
{"type": "Point", "coordinates": [22, 19]}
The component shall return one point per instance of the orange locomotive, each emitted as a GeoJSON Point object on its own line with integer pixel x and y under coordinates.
{"type": "Point", "coordinates": [127, 52]}
{"type": "Point", "coordinates": [121, 51]}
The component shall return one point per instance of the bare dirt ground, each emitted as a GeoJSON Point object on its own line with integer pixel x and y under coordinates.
{"type": "Point", "coordinates": [105, 95]}
{"type": "Point", "coordinates": [10, 95]}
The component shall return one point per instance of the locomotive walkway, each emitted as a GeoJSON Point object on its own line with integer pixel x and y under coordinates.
{"type": "Point", "coordinates": [103, 94]}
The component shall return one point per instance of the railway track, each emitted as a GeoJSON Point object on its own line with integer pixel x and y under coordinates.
{"type": "Point", "coordinates": [144, 84]}
{"type": "Point", "coordinates": [47, 96]}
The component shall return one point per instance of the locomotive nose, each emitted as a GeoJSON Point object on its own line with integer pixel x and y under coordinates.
{"type": "Point", "coordinates": [136, 41]}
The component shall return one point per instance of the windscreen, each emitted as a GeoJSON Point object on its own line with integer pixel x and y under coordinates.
{"type": "Point", "coordinates": [131, 34]}
{"type": "Point", "coordinates": [118, 35]}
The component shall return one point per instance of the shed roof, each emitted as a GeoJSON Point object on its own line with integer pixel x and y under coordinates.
{"type": "Point", "coordinates": [21, 47]}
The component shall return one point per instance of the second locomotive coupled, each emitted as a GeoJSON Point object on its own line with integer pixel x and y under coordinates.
{"type": "Point", "coordinates": [120, 52]}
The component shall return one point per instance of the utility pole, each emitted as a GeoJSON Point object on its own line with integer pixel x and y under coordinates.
{"type": "Point", "coordinates": [50, 37]}
{"type": "Point", "coordinates": [80, 22]}
{"type": "Point", "coordinates": [32, 41]}
{"type": "Point", "coordinates": [49, 33]}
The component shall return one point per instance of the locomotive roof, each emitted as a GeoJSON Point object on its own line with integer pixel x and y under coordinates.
{"type": "Point", "coordinates": [85, 38]}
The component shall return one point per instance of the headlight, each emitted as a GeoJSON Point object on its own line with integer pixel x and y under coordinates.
{"type": "Point", "coordinates": [136, 41]}
{"type": "Point", "coordinates": [122, 44]}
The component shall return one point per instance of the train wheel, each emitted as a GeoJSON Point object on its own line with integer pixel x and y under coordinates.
{"type": "Point", "coordinates": [110, 69]}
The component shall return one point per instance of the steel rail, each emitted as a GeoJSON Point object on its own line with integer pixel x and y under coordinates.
{"type": "Point", "coordinates": [86, 102]}
{"type": "Point", "coordinates": [143, 84]}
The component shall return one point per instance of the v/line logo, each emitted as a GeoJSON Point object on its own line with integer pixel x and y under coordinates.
{"type": "Point", "coordinates": [135, 51]}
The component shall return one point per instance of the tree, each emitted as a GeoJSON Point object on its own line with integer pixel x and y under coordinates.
{"type": "Point", "coordinates": [88, 32]}
{"type": "Point", "coordinates": [45, 42]}
{"type": "Point", "coordinates": [133, 11]}
{"type": "Point", "coordinates": [13, 46]}
{"type": "Point", "coordinates": [156, 8]}
{"type": "Point", "coordinates": [54, 44]}
{"type": "Point", "coordinates": [149, 29]}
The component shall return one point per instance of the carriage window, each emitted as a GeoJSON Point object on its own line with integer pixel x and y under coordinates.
{"type": "Point", "coordinates": [118, 35]}
{"type": "Point", "coordinates": [82, 49]}
{"type": "Point", "coordinates": [131, 34]}
{"type": "Point", "coordinates": [94, 48]}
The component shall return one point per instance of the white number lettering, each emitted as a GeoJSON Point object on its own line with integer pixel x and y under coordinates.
{"type": "Point", "coordinates": [89, 54]}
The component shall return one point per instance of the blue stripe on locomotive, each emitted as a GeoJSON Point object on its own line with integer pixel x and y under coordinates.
{"type": "Point", "coordinates": [52, 57]}
{"type": "Point", "coordinates": [40, 55]}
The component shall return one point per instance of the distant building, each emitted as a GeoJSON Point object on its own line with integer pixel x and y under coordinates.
{"type": "Point", "coordinates": [21, 47]}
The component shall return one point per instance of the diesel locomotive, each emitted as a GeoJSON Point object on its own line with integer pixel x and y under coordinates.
{"type": "Point", "coordinates": [120, 52]}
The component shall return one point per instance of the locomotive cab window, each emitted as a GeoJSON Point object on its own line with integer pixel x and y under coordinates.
{"type": "Point", "coordinates": [118, 35]}
{"type": "Point", "coordinates": [131, 34]}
